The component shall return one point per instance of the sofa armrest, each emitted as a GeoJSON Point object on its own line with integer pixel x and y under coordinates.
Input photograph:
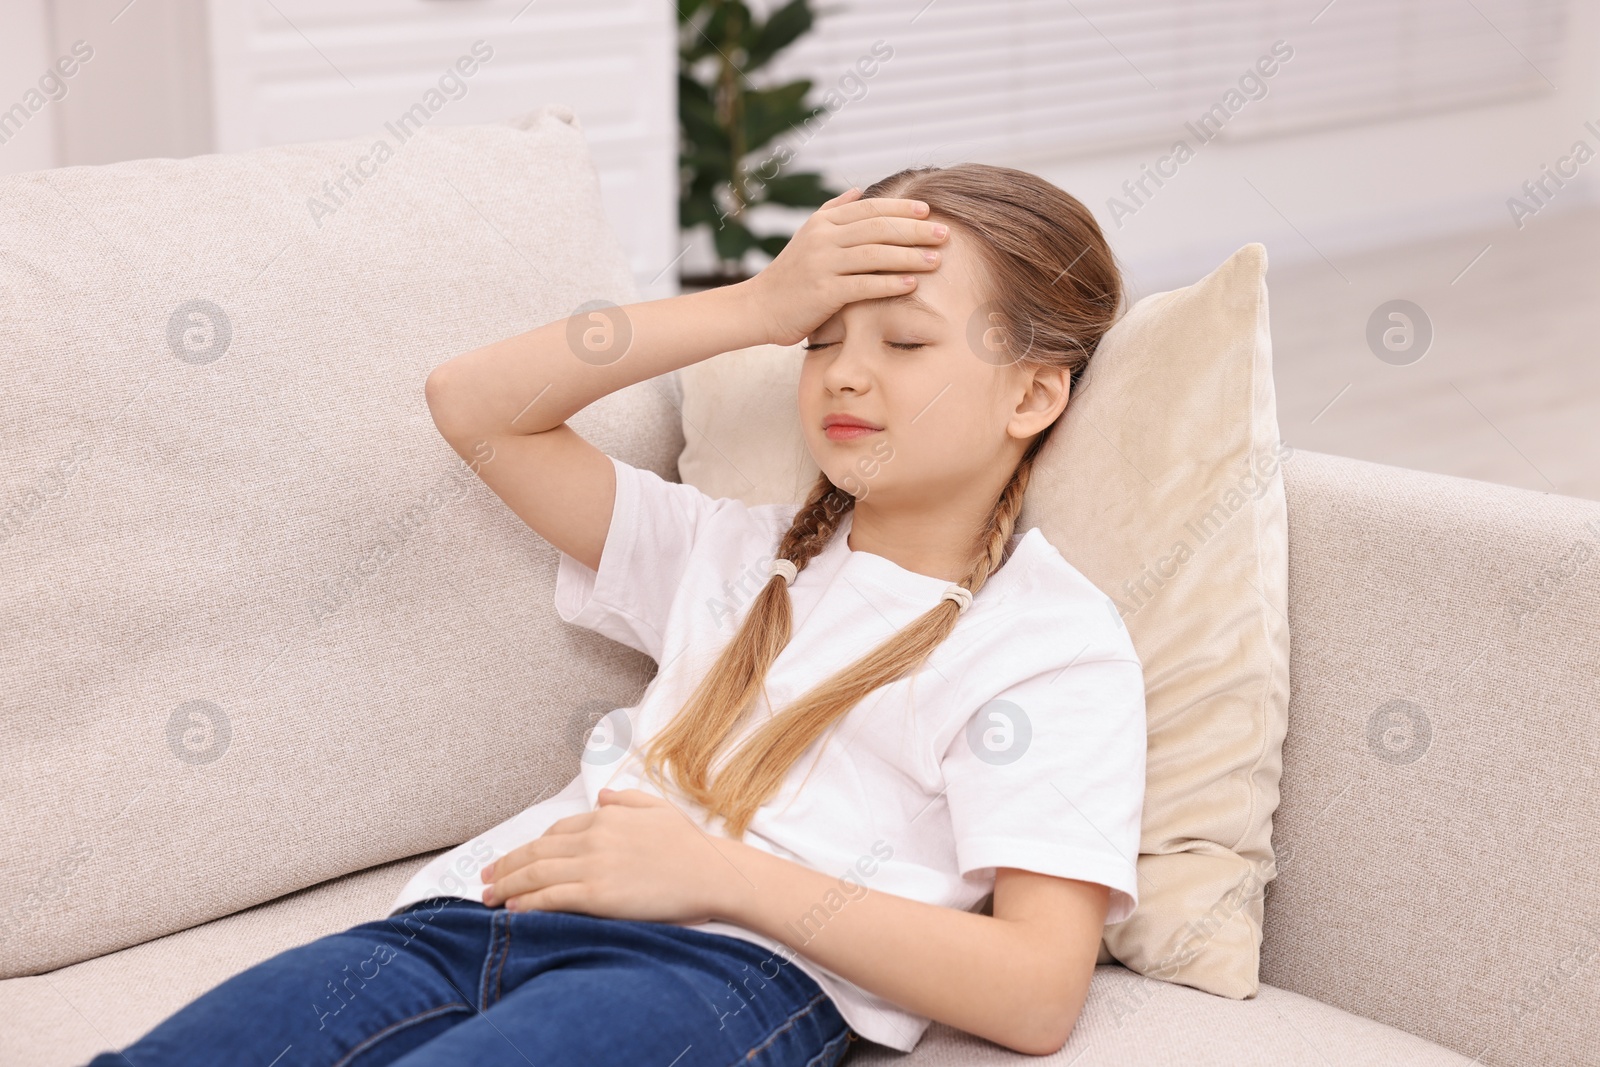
{"type": "Point", "coordinates": [1437, 833]}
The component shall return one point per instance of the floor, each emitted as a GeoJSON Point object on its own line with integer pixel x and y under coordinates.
{"type": "Point", "coordinates": [1508, 391]}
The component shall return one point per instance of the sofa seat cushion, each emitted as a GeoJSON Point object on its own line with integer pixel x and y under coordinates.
{"type": "Point", "coordinates": [1133, 1021]}
{"type": "Point", "coordinates": [64, 1017]}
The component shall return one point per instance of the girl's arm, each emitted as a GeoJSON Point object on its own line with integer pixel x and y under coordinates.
{"type": "Point", "coordinates": [503, 408]}
{"type": "Point", "coordinates": [537, 380]}
{"type": "Point", "coordinates": [1018, 978]}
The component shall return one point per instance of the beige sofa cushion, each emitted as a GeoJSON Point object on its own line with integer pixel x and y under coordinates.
{"type": "Point", "coordinates": [1163, 486]}
{"type": "Point", "coordinates": [263, 627]}
{"type": "Point", "coordinates": [63, 1018]}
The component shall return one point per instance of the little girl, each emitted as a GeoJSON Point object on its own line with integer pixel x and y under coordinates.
{"type": "Point", "coordinates": [873, 709]}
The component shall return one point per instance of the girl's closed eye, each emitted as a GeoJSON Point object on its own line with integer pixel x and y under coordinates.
{"type": "Point", "coordinates": [902, 345]}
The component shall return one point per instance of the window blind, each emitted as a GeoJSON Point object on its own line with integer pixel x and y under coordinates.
{"type": "Point", "coordinates": [1023, 80]}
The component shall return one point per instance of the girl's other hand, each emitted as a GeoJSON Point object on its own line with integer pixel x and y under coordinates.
{"type": "Point", "coordinates": [832, 259]}
{"type": "Point", "coordinates": [636, 856]}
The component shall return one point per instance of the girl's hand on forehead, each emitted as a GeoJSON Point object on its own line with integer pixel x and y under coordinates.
{"type": "Point", "coordinates": [850, 249]}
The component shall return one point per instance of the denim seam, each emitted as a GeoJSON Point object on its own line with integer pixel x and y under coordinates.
{"type": "Point", "coordinates": [492, 953]}
{"type": "Point", "coordinates": [826, 1056]}
{"type": "Point", "coordinates": [500, 968]}
{"type": "Point", "coordinates": [793, 1018]}
{"type": "Point", "coordinates": [454, 1005]}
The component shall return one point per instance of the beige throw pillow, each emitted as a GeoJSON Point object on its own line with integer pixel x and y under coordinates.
{"type": "Point", "coordinates": [1162, 485]}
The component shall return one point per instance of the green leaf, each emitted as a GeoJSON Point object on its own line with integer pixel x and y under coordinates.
{"type": "Point", "coordinates": [700, 204]}
{"type": "Point", "coordinates": [726, 17]}
{"type": "Point", "coordinates": [698, 119]}
{"type": "Point", "coordinates": [716, 37]}
{"type": "Point", "coordinates": [692, 44]}
{"type": "Point", "coordinates": [712, 165]}
{"type": "Point", "coordinates": [773, 244]}
{"type": "Point", "coordinates": [770, 112]}
{"type": "Point", "coordinates": [687, 9]}
{"type": "Point", "coordinates": [704, 184]}
{"type": "Point", "coordinates": [733, 240]}
{"type": "Point", "coordinates": [694, 210]}
{"type": "Point", "coordinates": [695, 93]}
{"type": "Point", "coordinates": [779, 32]}
{"type": "Point", "coordinates": [797, 190]}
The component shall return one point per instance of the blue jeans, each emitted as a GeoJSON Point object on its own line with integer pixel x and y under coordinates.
{"type": "Point", "coordinates": [452, 982]}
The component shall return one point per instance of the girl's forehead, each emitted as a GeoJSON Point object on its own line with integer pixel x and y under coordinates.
{"type": "Point", "coordinates": [914, 303]}
{"type": "Point", "coordinates": [942, 297]}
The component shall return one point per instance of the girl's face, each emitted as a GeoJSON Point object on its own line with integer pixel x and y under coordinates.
{"type": "Point", "coordinates": [954, 411]}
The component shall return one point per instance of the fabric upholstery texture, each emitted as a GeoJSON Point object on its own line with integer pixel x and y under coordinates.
{"type": "Point", "coordinates": [1437, 836]}
{"type": "Point", "coordinates": [264, 627]}
{"type": "Point", "coordinates": [1162, 485]}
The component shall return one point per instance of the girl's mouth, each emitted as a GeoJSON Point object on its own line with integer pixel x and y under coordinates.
{"type": "Point", "coordinates": [844, 432]}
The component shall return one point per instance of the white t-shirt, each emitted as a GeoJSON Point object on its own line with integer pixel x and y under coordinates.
{"type": "Point", "coordinates": [1019, 743]}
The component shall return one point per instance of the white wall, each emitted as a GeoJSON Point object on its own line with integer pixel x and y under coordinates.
{"type": "Point", "coordinates": [25, 54]}
{"type": "Point", "coordinates": [146, 92]}
{"type": "Point", "coordinates": [142, 91]}
{"type": "Point", "coordinates": [1354, 187]}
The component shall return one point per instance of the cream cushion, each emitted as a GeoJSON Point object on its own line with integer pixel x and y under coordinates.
{"type": "Point", "coordinates": [1163, 486]}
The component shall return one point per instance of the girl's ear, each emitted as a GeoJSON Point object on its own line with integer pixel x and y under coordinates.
{"type": "Point", "coordinates": [1046, 398]}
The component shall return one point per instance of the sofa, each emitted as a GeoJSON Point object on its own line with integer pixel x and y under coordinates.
{"type": "Point", "coordinates": [271, 647]}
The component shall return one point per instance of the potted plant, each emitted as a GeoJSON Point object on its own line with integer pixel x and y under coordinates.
{"type": "Point", "coordinates": [725, 121]}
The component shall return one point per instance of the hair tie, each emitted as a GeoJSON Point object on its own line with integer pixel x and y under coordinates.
{"type": "Point", "coordinates": [961, 595]}
{"type": "Point", "coordinates": [785, 568]}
